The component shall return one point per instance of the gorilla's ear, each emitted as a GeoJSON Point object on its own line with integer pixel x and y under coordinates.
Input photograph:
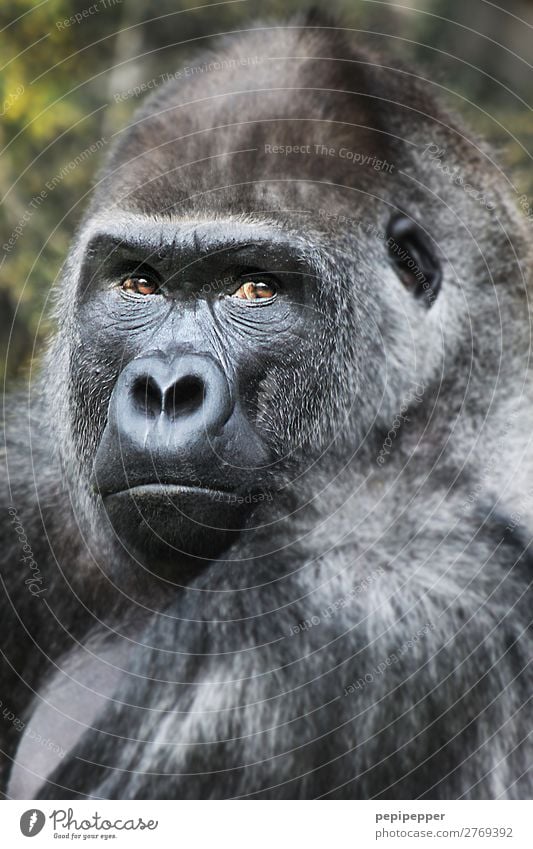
{"type": "Point", "coordinates": [414, 258]}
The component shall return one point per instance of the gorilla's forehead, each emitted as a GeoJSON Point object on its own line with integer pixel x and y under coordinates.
{"type": "Point", "coordinates": [257, 135]}
{"type": "Point", "coordinates": [214, 243]}
{"type": "Point", "coordinates": [195, 235]}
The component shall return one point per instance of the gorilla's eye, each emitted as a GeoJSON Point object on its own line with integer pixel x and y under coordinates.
{"type": "Point", "coordinates": [139, 285]}
{"type": "Point", "coordinates": [255, 291]}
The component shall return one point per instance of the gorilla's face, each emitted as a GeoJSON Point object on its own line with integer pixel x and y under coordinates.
{"type": "Point", "coordinates": [200, 340]}
{"type": "Point", "coordinates": [216, 361]}
{"type": "Point", "coordinates": [226, 333]}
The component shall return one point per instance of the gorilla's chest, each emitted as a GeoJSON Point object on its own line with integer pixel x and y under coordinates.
{"type": "Point", "coordinates": [64, 709]}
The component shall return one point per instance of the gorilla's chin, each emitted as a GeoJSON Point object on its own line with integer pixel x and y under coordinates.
{"type": "Point", "coordinates": [163, 524]}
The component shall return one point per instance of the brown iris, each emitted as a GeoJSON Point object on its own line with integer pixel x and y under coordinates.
{"type": "Point", "coordinates": [255, 290]}
{"type": "Point", "coordinates": [139, 285]}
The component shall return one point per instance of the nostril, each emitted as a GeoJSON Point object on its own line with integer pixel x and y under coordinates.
{"type": "Point", "coordinates": [184, 397]}
{"type": "Point", "coordinates": [147, 397]}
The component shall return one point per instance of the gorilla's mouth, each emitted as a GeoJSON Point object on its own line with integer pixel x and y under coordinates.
{"type": "Point", "coordinates": [170, 489]}
{"type": "Point", "coordinates": [159, 521]}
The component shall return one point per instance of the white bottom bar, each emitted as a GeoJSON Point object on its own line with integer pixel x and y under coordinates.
{"type": "Point", "coordinates": [264, 825]}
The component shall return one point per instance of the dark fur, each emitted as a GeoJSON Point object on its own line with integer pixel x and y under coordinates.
{"type": "Point", "coordinates": [224, 695]}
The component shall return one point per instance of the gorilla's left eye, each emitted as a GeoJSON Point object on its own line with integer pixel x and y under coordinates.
{"type": "Point", "coordinates": [256, 290]}
{"type": "Point", "coordinates": [139, 285]}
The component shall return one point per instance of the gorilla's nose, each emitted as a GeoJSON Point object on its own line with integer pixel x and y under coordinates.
{"type": "Point", "coordinates": [170, 420]}
{"type": "Point", "coordinates": [185, 393]}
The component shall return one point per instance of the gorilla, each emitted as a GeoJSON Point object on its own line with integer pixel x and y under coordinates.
{"type": "Point", "coordinates": [266, 523]}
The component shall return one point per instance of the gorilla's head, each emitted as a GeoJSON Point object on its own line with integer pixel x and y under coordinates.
{"type": "Point", "coordinates": [267, 266]}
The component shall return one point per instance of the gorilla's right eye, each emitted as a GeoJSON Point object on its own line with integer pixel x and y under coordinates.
{"type": "Point", "coordinates": [139, 285]}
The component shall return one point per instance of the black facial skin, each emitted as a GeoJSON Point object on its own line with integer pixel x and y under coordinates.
{"type": "Point", "coordinates": [183, 458]}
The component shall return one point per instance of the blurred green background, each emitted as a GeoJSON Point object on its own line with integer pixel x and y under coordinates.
{"type": "Point", "coordinates": [60, 103]}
